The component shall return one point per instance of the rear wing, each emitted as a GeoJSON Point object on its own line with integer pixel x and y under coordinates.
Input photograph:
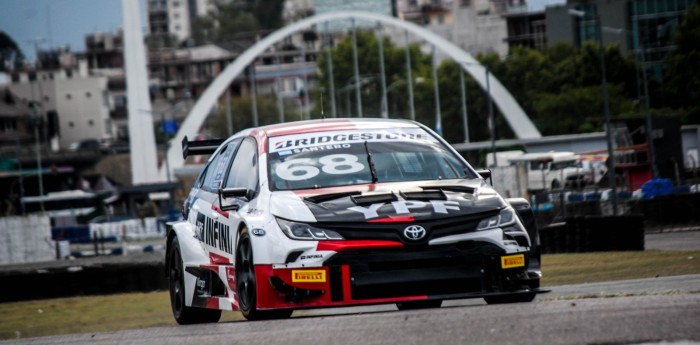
{"type": "Point", "coordinates": [199, 147]}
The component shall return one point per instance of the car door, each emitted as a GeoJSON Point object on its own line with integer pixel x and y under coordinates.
{"type": "Point", "coordinates": [211, 221]}
{"type": "Point", "coordinates": [243, 173]}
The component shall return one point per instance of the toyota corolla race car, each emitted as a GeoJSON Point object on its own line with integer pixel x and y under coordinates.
{"type": "Point", "coordinates": [342, 212]}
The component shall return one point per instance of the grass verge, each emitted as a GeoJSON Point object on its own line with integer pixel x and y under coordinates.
{"type": "Point", "coordinates": [141, 310]}
{"type": "Point", "coordinates": [560, 269]}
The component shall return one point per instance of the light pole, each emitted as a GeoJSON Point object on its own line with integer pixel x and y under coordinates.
{"type": "Point", "coordinates": [436, 91]}
{"type": "Point", "coordinates": [380, 40]}
{"type": "Point", "coordinates": [392, 86]}
{"type": "Point", "coordinates": [606, 106]}
{"type": "Point", "coordinates": [356, 70]}
{"type": "Point", "coordinates": [331, 82]}
{"type": "Point", "coordinates": [463, 95]}
{"type": "Point", "coordinates": [492, 120]}
{"type": "Point", "coordinates": [409, 76]}
{"type": "Point", "coordinates": [36, 117]}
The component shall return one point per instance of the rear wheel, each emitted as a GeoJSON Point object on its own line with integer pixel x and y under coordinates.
{"type": "Point", "coordinates": [246, 284]}
{"type": "Point", "coordinates": [426, 304]}
{"type": "Point", "coordinates": [183, 314]}
{"type": "Point", "coordinates": [503, 299]}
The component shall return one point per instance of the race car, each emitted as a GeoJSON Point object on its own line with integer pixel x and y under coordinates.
{"type": "Point", "coordinates": [343, 212]}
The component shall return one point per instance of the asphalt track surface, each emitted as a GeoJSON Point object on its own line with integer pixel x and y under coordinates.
{"type": "Point", "coordinates": [663, 310]}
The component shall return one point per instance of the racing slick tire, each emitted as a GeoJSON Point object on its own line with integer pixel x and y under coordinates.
{"type": "Point", "coordinates": [433, 303]}
{"type": "Point", "coordinates": [246, 284]}
{"type": "Point", "coordinates": [503, 299]}
{"type": "Point", "coordinates": [183, 314]}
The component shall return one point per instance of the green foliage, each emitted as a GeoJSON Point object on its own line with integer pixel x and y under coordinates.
{"type": "Point", "coordinates": [10, 53]}
{"type": "Point", "coordinates": [558, 87]}
{"type": "Point", "coordinates": [242, 115]}
{"type": "Point", "coordinates": [237, 20]}
{"type": "Point", "coordinates": [682, 67]}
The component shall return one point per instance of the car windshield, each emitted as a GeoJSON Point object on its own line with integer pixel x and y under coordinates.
{"type": "Point", "coordinates": [327, 159]}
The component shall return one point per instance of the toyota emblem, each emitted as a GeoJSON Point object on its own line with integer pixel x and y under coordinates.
{"type": "Point", "coordinates": [414, 232]}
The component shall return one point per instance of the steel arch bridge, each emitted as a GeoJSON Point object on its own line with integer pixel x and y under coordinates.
{"type": "Point", "coordinates": [511, 110]}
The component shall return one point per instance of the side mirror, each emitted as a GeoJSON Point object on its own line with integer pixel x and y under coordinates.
{"type": "Point", "coordinates": [232, 193]}
{"type": "Point", "coordinates": [485, 174]}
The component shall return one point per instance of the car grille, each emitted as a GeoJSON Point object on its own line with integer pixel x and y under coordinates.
{"type": "Point", "coordinates": [435, 228]}
{"type": "Point", "coordinates": [464, 267]}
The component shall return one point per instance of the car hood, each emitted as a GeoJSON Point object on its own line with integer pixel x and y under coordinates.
{"type": "Point", "coordinates": [388, 202]}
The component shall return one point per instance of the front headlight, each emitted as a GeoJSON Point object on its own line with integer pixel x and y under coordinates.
{"type": "Point", "coordinates": [505, 218]}
{"type": "Point", "coordinates": [304, 231]}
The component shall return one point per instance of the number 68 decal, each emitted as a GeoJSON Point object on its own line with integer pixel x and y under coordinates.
{"type": "Point", "coordinates": [304, 168]}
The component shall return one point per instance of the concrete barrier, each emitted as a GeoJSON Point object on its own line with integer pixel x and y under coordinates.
{"type": "Point", "coordinates": [26, 239]}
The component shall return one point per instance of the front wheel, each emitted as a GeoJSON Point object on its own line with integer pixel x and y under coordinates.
{"type": "Point", "coordinates": [183, 314]}
{"type": "Point", "coordinates": [246, 284]}
{"type": "Point", "coordinates": [517, 298]}
{"type": "Point", "coordinates": [426, 304]}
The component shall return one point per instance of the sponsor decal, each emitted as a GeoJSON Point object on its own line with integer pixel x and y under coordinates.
{"type": "Point", "coordinates": [328, 140]}
{"type": "Point", "coordinates": [213, 233]}
{"type": "Point", "coordinates": [308, 276]}
{"type": "Point", "coordinates": [311, 256]}
{"type": "Point", "coordinates": [414, 232]}
{"type": "Point", "coordinates": [405, 207]}
{"type": "Point", "coordinates": [258, 232]}
{"type": "Point", "coordinates": [512, 261]}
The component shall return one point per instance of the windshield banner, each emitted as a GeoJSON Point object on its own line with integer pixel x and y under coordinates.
{"type": "Point", "coordinates": [291, 143]}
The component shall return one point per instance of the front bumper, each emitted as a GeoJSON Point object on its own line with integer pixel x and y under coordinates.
{"type": "Point", "coordinates": [373, 276]}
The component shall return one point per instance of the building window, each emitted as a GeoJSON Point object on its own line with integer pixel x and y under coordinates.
{"type": "Point", "coordinates": [91, 123]}
{"type": "Point", "coordinates": [46, 98]}
{"type": "Point", "coordinates": [88, 94]}
{"type": "Point", "coordinates": [68, 96]}
{"type": "Point", "coordinates": [69, 73]}
{"type": "Point", "coordinates": [177, 27]}
{"type": "Point", "coordinates": [71, 124]}
{"type": "Point", "coordinates": [32, 76]}
{"type": "Point", "coordinates": [176, 3]}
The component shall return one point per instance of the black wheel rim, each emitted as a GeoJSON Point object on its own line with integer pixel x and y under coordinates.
{"type": "Point", "coordinates": [177, 299]}
{"type": "Point", "coordinates": [245, 275]}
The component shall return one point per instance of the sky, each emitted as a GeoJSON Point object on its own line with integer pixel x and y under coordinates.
{"type": "Point", "coordinates": [58, 23]}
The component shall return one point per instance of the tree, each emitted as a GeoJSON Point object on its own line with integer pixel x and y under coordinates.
{"type": "Point", "coordinates": [12, 56]}
{"type": "Point", "coordinates": [368, 61]}
{"type": "Point", "coordinates": [682, 68]}
{"type": "Point", "coordinates": [241, 115]}
{"type": "Point", "coordinates": [236, 21]}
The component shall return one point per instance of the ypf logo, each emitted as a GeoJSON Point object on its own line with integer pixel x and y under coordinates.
{"type": "Point", "coordinates": [414, 232]}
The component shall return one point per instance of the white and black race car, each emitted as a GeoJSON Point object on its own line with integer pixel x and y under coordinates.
{"type": "Point", "coordinates": [341, 212]}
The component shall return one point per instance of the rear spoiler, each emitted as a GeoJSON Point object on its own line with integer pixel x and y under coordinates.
{"type": "Point", "coordinates": [199, 147]}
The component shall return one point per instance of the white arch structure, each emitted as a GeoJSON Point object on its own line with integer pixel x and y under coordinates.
{"type": "Point", "coordinates": [511, 110]}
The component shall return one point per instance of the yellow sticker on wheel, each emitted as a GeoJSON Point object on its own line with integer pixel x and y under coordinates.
{"type": "Point", "coordinates": [308, 276]}
{"type": "Point", "coordinates": [512, 261]}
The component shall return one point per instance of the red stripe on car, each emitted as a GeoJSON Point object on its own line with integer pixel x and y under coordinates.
{"type": "Point", "coordinates": [212, 303]}
{"type": "Point", "coordinates": [217, 259]}
{"type": "Point", "coordinates": [219, 211]}
{"type": "Point", "coordinates": [339, 246]}
{"type": "Point", "coordinates": [303, 127]}
{"type": "Point", "coordinates": [391, 219]}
